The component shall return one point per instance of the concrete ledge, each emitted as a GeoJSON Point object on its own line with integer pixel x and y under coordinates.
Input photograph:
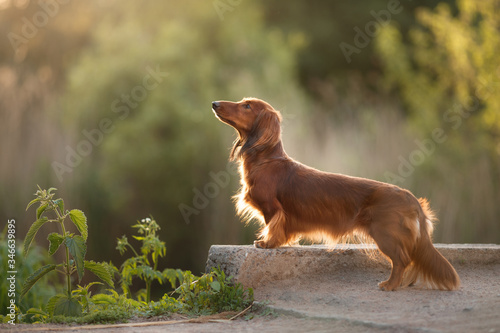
{"type": "Point", "coordinates": [253, 267]}
{"type": "Point", "coordinates": [340, 285]}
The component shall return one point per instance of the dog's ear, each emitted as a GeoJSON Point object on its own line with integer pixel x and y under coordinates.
{"type": "Point", "coordinates": [265, 133]}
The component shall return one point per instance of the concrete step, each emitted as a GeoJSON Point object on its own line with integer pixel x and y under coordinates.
{"type": "Point", "coordinates": [253, 267]}
{"type": "Point", "coordinates": [339, 287]}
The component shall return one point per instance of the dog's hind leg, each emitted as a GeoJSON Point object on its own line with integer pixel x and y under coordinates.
{"type": "Point", "coordinates": [391, 237]}
{"type": "Point", "coordinates": [398, 268]}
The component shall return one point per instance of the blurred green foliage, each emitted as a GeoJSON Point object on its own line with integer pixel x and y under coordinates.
{"type": "Point", "coordinates": [157, 97]}
{"type": "Point", "coordinates": [323, 25]}
{"type": "Point", "coordinates": [448, 76]}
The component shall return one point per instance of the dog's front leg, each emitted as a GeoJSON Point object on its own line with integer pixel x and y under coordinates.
{"type": "Point", "coordinates": [273, 235]}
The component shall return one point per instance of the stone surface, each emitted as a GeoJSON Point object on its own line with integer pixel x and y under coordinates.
{"type": "Point", "coordinates": [340, 285]}
{"type": "Point", "coordinates": [253, 267]}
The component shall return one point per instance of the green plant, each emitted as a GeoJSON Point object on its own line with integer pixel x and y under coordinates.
{"type": "Point", "coordinates": [104, 308]}
{"type": "Point", "coordinates": [210, 293]}
{"type": "Point", "coordinates": [107, 307]}
{"type": "Point", "coordinates": [145, 265]}
{"type": "Point", "coordinates": [52, 210]}
{"type": "Point", "coordinates": [213, 292]}
{"type": "Point", "coordinates": [84, 294]}
{"type": "Point", "coordinates": [42, 291]}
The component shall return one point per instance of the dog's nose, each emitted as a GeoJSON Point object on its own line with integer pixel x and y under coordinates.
{"type": "Point", "coordinates": [215, 105]}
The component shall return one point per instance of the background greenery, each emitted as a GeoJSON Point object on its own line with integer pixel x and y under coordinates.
{"type": "Point", "coordinates": [434, 65]}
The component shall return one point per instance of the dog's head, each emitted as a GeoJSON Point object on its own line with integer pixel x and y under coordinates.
{"type": "Point", "coordinates": [257, 123]}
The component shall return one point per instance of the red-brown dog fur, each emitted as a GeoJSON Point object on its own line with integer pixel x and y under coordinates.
{"type": "Point", "coordinates": [293, 200]}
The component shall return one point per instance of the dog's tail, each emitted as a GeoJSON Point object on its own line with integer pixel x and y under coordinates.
{"type": "Point", "coordinates": [428, 265]}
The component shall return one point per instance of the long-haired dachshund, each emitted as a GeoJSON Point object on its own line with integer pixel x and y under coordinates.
{"type": "Point", "coordinates": [293, 200]}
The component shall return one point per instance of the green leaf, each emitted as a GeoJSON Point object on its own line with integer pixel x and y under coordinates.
{"type": "Point", "coordinates": [68, 307]}
{"type": "Point", "coordinates": [55, 241]}
{"type": "Point", "coordinates": [158, 276]}
{"type": "Point", "coordinates": [52, 303]}
{"type": "Point", "coordinates": [84, 291]}
{"type": "Point", "coordinates": [101, 270]}
{"type": "Point", "coordinates": [93, 284]}
{"type": "Point", "coordinates": [49, 191]}
{"type": "Point", "coordinates": [172, 275]}
{"type": "Point", "coordinates": [121, 244]}
{"type": "Point", "coordinates": [215, 285]}
{"type": "Point", "coordinates": [80, 221]}
{"type": "Point", "coordinates": [34, 315]}
{"type": "Point", "coordinates": [60, 204]}
{"type": "Point", "coordinates": [36, 311]}
{"type": "Point", "coordinates": [103, 299]}
{"type": "Point", "coordinates": [33, 278]}
{"type": "Point", "coordinates": [40, 210]}
{"type": "Point", "coordinates": [31, 234]}
{"type": "Point", "coordinates": [145, 272]}
{"type": "Point", "coordinates": [32, 202]}
{"type": "Point", "coordinates": [77, 249]}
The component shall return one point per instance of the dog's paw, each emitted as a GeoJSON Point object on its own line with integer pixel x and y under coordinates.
{"type": "Point", "coordinates": [385, 286]}
{"type": "Point", "coordinates": [259, 244]}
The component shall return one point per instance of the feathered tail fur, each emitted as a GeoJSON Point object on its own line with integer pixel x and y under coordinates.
{"type": "Point", "coordinates": [428, 265]}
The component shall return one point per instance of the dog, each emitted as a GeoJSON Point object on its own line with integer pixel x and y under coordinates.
{"type": "Point", "coordinates": [292, 200]}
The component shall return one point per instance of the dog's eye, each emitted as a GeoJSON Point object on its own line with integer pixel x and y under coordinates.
{"type": "Point", "coordinates": [246, 106]}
